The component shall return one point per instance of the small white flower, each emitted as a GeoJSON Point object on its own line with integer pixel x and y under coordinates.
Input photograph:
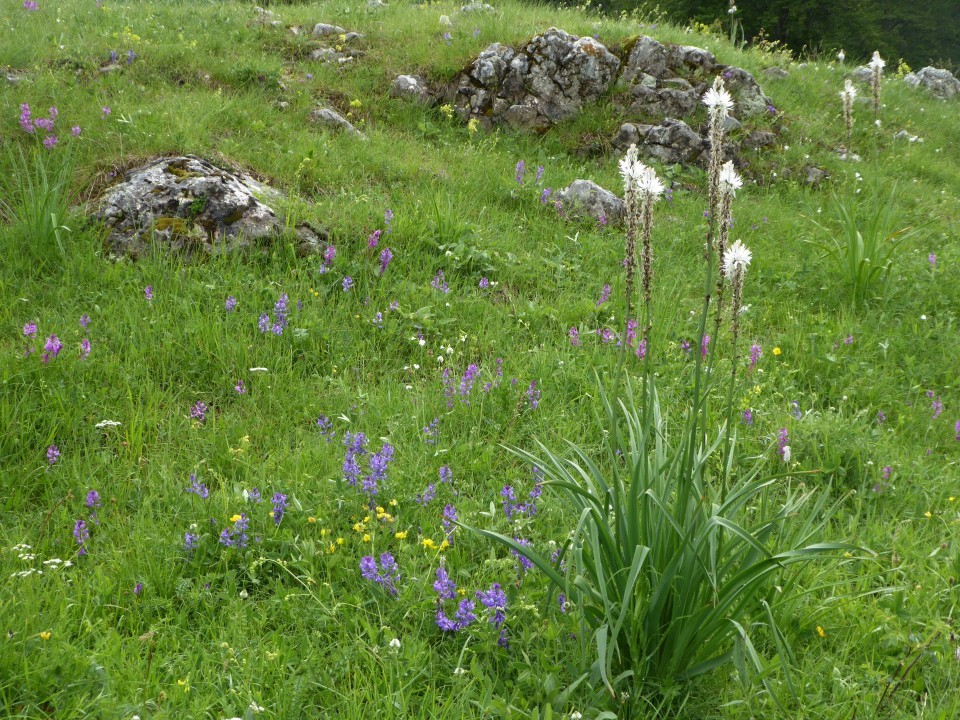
{"type": "Point", "coordinates": [877, 62]}
{"type": "Point", "coordinates": [732, 10]}
{"type": "Point", "coordinates": [575, 715]}
{"type": "Point", "coordinates": [395, 643]}
{"type": "Point", "coordinates": [923, 317]}
{"type": "Point", "coordinates": [786, 453]}
{"type": "Point", "coordinates": [445, 21]}
{"type": "Point", "coordinates": [459, 671]}
{"type": "Point", "coordinates": [877, 122]}
{"type": "Point", "coordinates": [440, 359]}
{"type": "Point", "coordinates": [422, 342]}
{"type": "Point", "coordinates": [841, 56]}
{"type": "Point", "coordinates": [718, 100]}
{"type": "Point", "coordinates": [244, 594]}
{"type": "Point", "coordinates": [729, 180]}
{"type": "Point", "coordinates": [259, 369]}
{"type": "Point", "coordinates": [849, 92]}
{"type": "Point", "coordinates": [736, 259]}
{"type": "Point", "coordinates": [106, 423]}
{"type": "Point", "coordinates": [254, 708]}
{"type": "Point", "coordinates": [649, 184]}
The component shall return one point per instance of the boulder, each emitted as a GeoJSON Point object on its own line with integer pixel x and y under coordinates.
{"type": "Point", "coordinates": [412, 87]}
{"type": "Point", "coordinates": [673, 142]}
{"type": "Point", "coordinates": [585, 197]}
{"type": "Point", "coordinates": [477, 7]}
{"type": "Point", "coordinates": [937, 81]}
{"type": "Point", "coordinates": [669, 80]}
{"type": "Point", "coordinates": [324, 29]}
{"type": "Point", "coordinates": [776, 73]}
{"type": "Point", "coordinates": [188, 204]}
{"type": "Point", "coordinates": [265, 18]}
{"type": "Point", "coordinates": [862, 74]}
{"type": "Point", "coordinates": [334, 120]}
{"type": "Point", "coordinates": [547, 80]}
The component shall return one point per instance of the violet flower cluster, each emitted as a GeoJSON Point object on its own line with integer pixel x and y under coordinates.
{"type": "Point", "coordinates": [387, 575]}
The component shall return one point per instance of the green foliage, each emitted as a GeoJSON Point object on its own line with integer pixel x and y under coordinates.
{"type": "Point", "coordinates": [865, 250]}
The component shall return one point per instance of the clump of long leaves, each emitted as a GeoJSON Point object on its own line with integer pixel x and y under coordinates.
{"type": "Point", "coordinates": [668, 567]}
{"type": "Point", "coordinates": [35, 199]}
{"type": "Point", "coordinates": [865, 247]}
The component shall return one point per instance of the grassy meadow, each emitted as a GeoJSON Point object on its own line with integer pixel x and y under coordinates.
{"type": "Point", "coordinates": [178, 538]}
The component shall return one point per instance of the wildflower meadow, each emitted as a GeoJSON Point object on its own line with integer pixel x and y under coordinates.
{"type": "Point", "coordinates": [474, 453]}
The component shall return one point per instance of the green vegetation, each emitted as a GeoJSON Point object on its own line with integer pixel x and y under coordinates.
{"type": "Point", "coordinates": [188, 598]}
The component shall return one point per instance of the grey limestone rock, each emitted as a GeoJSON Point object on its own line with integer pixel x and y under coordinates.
{"type": "Point", "coordinates": [547, 80]}
{"type": "Point", "coordinates": [334, 120]}
{"type": "Point", "coordinates": [937, 81]}
{"type": "Point", "coordinates": [188, 204]}
{"type": "Point", "coordinates": [412, 87]}
{"type": "Point", "coordinates": [671, 143]}
{"type": "Point", "coordinates": [585, 197]}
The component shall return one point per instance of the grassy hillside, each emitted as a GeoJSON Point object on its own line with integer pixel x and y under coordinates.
{"type": "Point", "coordinates": [156, 617]}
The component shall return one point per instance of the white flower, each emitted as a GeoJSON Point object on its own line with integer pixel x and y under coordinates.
{"type": "Point", "coordinates": [786, 453]}
{"type": "Point", "coordinates": [648, 182]}
{"type": "Point", "coordinates": [254, 708]}
{"type": "Point", "coordinates": [736, 259]}
{"type": "Point", "coordinates": [877, 63]}
{"type": "Point", "coordinates": [729, 180]}
{"type": "Point", "coordinates": [849, 92]}
{"type": "Point", "coordinates": [106, 423]}
{"type": "Point", "coordinates": [718, 100]}
{"type": "Point", "coordinates": [732, 10]}
{"type": "Point", "coordinates": [629, 166]}
{"type": "Point", "coordinates": [395, 643]}
{"type": "Point", "coordinates": [259, 369]}
{"type": "Point", "coordinates": [459, 671]}
{"type": "Point", "coordinates": [445, 21]}
{"type": "Point", "coordinates": [575, 715]}
{"type": "Point", "coordinates": [841, 56]}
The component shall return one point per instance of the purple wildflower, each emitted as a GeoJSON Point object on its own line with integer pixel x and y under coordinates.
{"type": "Point", "coordinates": [533, 395]}
{"type": "Point", "coordinates": [29, 329]}
{"type": "Point", "coordinates": [539, 178]}
{"type": "Point", "coordinates": [254, 495]}
{"type": "Point", "coordinates": [525, 563]}
{"type": "Point", "coordinates": [756, 352]}
{"type": "Point", "coordinates": [379, 463]}
{"type": "Point", "coordinates": [494, 599]}
{"type": "Point", "coordinates": [484, 283]}
{"type": "Point", "coordinates": [449, 518]}
{"type": "Point", "coordinates": [431, 432]}
{"type": "Point", "coordinates": [783, 444]}
{"type": "Point", "coordinates": [574, 336]}
{"type": "Point", "coordinates": [704, 345]}
{"type": "Point", "coordinates": [848, 340]}
{"type": "Point", "coordinates": [105, 111]}
{"type": "Point", "coordinates": [198, 488]}
{"type": "Point", "coordinates": [445, 588]}
{"type": "Point", "coordinates": [190, 541]}
{"type": "Point", "coordinates": [685, 346]}
{"type": "Point", "coordinates": [237, 535]}
{"type": "Point", "coordinates": [356, 448]}
{"type": "Point", "coordinates": [240, 388]}
{"type": "Point", "coordinates": [231, 303]}
{"type": "Point", "coordinates": [748, 417]}
{"type": "Point", "coordinates": [328, 257]}
{"type": "Point", "coordinates": [374, 238]}
{"type": "Point", "coordinates": [932, 259]}
{"type": "Point", "coordinates": [81, 534]}
{"type": "Point", "coordinates": [937, 406]}
{"type": "Point", "coordinates": [466, 382]}
{"type": "Point", "coordinates": [448, 389]}
{"type": "Point", "coordinates": [347, 283]}
{"type": "Point", "coordinates": [641, 351]}
{"type": "Point", "coordinates": [544, 196]}
{"type": "Point", "coordinates": [76, 130]}
{"type": "Point", "coordinates": [148, 292]}
{"type": "Point", "coordinates": [53, 454]}
{"type": "Point", "coordinates": [428, 495]}
{"type": "Point", "coordinates": [25, 120]}
{"type": "Point", "coordinates": [84, 321]}
{"type": "Point", "coordinates": [326, 428]}
{"type": "Point", "coordinates": [604, 295]}
{"type": "Point", "coordinates": [85, 348]}
{"type": "Point", "coordinates": [388, 220]}
{"type": "Point", "coordinates": [521, 166]}
{"type": "Point", "coordinates": [199, 411]}
{"type": "Point", "coordinates": [137, 589]}
{"type": "Point", "coordinates": [887, 472]}
{"type": "Point", "coordinates": [279, 501]}
{"type": "Point", "coordinates": [387, 575]}
{"type": "Point", "coordinates": [131, 56]}
{"type": "Point", "coordinates": [438, 283]}
{"type": "Point", "coordinates": [93, 500]}
{"type": "Point", "coordinates": [52, 348]}
{"type": "Point", "coordinates": [385, 257]}
{"type": "Point", "coordinates": [881, 417]}
{"type": "Point", "coordinates": [446, 474]}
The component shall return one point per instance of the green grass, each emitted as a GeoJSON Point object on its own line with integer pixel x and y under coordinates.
{"type": "Point", "coordinates": [287, 624]}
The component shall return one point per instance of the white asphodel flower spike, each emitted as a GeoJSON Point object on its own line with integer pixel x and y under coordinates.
{"type": "Point", "coordinates": [648, 183]}
{"type": "Point", "coordinates": [718, 100]}
{"type": "Point", "coordinates": [628, 166]}
{"type": "Point", "coordinates": [849, 91]}
{"type": "Point", "coordinates": [730, 181]}
{"type": "Point", "coordinates": [877, 63]}
{"type": "Point", "coordinates": [736, 259]}
{"type": "Point", "coordinates": [841, 56]}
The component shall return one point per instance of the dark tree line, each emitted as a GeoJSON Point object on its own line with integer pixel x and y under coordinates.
{"type": "Point", "coordinates": [922, 32]}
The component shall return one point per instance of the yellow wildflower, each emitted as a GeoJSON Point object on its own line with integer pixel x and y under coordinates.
{"type": "Point", "coordinates": [236, 518]}
{"type": "Point", "coordinates": [402, 535]}
{"type": "Point", "coordinates": [340, 541]}
{"type": "Point", "coordinates": [359, 527]}
{"type": "Point", "coordinates": [928, 514]}
{"type": "Point", "coordinates": [777, 351]}
{"type": "Point", "coordinates": [324, 532]}
{"type": "Point", "coordinates": [429, 544]}
{"type": "Point", "coordinates": [46, 635]}
{"type": "Point", "coordinates": [473, 125]}
{"type": "Point", "coordinates": [393, 503]}
{"type": "Point", "coordinates": [355, 103]}
{"type": "Point", "coordinates": [380, 510]}
{"type": "Point", "coordinates": [820, 631]}
{"type": "Point", "coordinates": [366, 537]}
{"type": "Point", "coordinates": [444, 545]}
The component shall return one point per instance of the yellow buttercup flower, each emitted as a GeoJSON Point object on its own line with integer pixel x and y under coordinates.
{"type": "Point", "coordinates": [820, 631]}
{"type": "Point", "coordinates": [393, 503]}
{"type": "Point", "coordinates": [235, 518]}
{"type": "Point", "coordinates": [402, 535]}
{"type": "Point", "coordinates": [429, 544]}
{"type": "Point", "coordinates": [777, 351]}
{"type": "Point", "coordinates": [311, 519]}
{"type": "Point", "coordinates": [366, 537]}
{"type": "Point", "coordinates": [46, 635]}
{"type": "Point", "coordinates": [340, 541]}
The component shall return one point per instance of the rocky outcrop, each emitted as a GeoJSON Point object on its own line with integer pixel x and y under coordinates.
{"type": "Point", "coordinates": [411, 87]}
{"type": "Point", "coordinates": [673, 142]}
{"type": "Point", "coordinates": [585, 197]}
{"type": "Point", "coordinates": [189, 204]}
{"type": "Point", "coordinates": [669, 80]}
{"type": "Point", "coordinates": [547, 80]}
{"type": "Point", "coordinates": [937, 81]}
{"type": "Point", "coordinates": [335, 121]}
